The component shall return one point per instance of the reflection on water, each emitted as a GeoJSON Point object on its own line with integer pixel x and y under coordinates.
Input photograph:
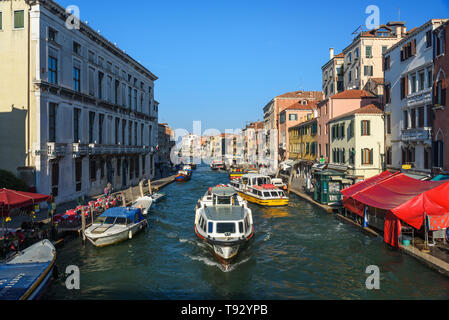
{"type": "Point", "coordinates": [298, 252]}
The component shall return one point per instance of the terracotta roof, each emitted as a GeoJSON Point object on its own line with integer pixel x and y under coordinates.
{"type": "Point", "coordinates": [302, 95]}
{"type": "Point", "coordinates": [340, 55]}
{"type": "Point", "coordinates": [299, 106]}
{"type": "Point", "coordinates": [352, 94]}
{"type": "Point", "coordinates": [369, 109]}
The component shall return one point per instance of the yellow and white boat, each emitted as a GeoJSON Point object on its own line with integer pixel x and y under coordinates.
{"type": "Point", "coordinates": [257, 188]}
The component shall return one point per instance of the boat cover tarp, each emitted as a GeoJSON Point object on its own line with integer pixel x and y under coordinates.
{"type": "Point", "coordinates": [405, 198]}
{"type": "Point", "coordinates": [16, 279]}
{"type": "Point", "coordinates": [121, 212]}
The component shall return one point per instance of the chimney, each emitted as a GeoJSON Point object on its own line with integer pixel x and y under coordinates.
{"type": "Point", "coordinates": [331, 53]}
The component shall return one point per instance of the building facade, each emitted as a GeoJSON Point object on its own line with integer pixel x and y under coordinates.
{"type": "Point", "coordinates": [271, 119]}
{"type": "Point", "coordinates": [84, 110]}
{"type": "Point", "coordinates": [363, 57]}
{"type": "Point", "coordinates": [303, 145]}
{"type": "Point", "coordinates": [333, 107]}
{"type": "Point", "coordinates": [409, 78]}
{"type": "Point", "coordinates": [166, 142]}
{"type": "Point", "coordinates": [333, 74]}
{"type": "Point", "coordinates": [357, 142]}
{"type": "Point", "coordinates": [441, 99]}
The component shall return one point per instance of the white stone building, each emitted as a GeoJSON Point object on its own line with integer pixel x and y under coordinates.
{"type": "Point", "coordinates": [93, 117]}
{"type": "Point", "coordinates": [408, 96]}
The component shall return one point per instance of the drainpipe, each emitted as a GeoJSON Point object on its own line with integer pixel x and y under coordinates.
{"type": "Point", "coordinates": [28, 144]}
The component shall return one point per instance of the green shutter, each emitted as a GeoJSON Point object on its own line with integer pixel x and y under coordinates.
{"type": "Point", "coordinates": [368, 123]}
{"type": "Point", "coordinates": [362, 157]}
{"type": "Point", "coordinates": [19, 19]}
{"type": "Point", "coordinates": [1, 21]}
{"type": "Point", "coordinates": [371, 156]}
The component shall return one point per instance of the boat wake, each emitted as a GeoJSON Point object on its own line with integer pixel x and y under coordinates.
{"type": "Point", "coordinates": [213, 263]}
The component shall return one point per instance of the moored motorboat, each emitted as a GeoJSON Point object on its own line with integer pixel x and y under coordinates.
{"type": "Point", "coordinates": [257, 188]}
{"type": "Point", "coordinates": [236, 173]}
{"type": "Point", "coordinates": [217, 165]}
{"type": "Point", "coordinates": [26, 275]}
{"type": "Point", "coordinates": [116, 225]}
{"type": "Point", "coordinates": [183, 176]}
{"type": "Point", "coordinates": [224, 222]}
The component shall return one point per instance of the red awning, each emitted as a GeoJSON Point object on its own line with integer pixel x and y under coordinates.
{"type": "Point", "coordinates": [10, 199]}
{"type": "Point", "coordinates": [403, 198]}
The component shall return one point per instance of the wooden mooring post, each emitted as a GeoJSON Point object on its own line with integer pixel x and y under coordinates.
{"type": "Point", "coordinates": [123, 195]}
{"type": "Point", "coordinates": [83, 225]}
{"type": "Point", "coordinates": [290, 179]}
{"type": "Point", "coordinates": [149, 187]}
{"type": "Point", "coordinates": [141, 188]}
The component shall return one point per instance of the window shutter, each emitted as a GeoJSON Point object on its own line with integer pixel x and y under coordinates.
{"type": "Point", "coordinates": [413, 47]}
{"type": "Point", "coordinates": [406, 86]}
{"type": "Point", "coordinates": [362, 154]}
{"type": "Point", "coordinates": [368, 129]}
{"type": "Point", "coordinates": [371, 156]}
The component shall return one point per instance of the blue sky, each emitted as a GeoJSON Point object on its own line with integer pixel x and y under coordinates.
{"type": "Point", "coordinates": [221, 62]}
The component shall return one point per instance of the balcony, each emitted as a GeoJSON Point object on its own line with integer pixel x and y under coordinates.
{"type": "Point", "coordinates": [56, 150]}
{"type": "Point", "coordinates": [80, 150]}
{"type": "Point", "coordinates": [95, 149]}
{"type": "Point", "coordinates": [417, 134]}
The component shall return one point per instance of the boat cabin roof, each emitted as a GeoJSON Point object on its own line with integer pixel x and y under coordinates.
{"type": "Point", "coordinates": [230, 213]}
{"type": "Point", "coordinates": [121, 212]}
{"type": "Point", "coordinates": [223, 191]}
{"type": "Point", "coordinates": [255, 175]}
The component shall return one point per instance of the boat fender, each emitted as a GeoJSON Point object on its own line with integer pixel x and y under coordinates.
{"type": "Point", "coordinates": [130, 234]}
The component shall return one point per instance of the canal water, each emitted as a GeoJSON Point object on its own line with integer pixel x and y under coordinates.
{"type": "Point", "coordinates": [298, 252]}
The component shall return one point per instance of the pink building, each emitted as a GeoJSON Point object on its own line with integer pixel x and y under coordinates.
{"type": "Point", "coordinates": [290, 117]}
{"type": "Point", "coordinates": [335, 106]}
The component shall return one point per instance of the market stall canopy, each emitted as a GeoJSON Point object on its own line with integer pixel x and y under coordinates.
{"type": "Point", "coordinates": [403, 198]}
{"type": "Point", "coordinates": [10, 199]}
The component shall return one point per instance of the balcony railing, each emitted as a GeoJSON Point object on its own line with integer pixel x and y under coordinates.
{"type": "Point", "coordinates": [80, 150]}
{"type": "Point", "coordinates": [56, 150]}
{"type": "Point", "coordinates": [417, 134]}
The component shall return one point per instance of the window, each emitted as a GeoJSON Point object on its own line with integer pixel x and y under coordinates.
{"type": "Point", "coordinates": [130, 133]}
{"type": "Point", "coordinates": [123, 131]}
{"type": "Point", "coordinates": [350, 58]}
{"type": "Point", "coordinates": [357, 52]}
{"type": "Point", "coordinates": [413, 83]}
{"type": "Point", "coordinates": [76, 48]}
{"type": "Point", "coordinates": [91, 56]}
{"type": "Point", "coordinates": [368, 70]}
{"type": "Point", "coordinates": [76, 125]}
{"type": "Point", "coordinates": [100, 85]}
{"type": "Point", "coordinates": [52, 34]}
{"type": "Point", "coordinates": [52, 122]}
{"type": "Point", "coordinates": [429, 78]}
{"type": "Point", "coordinates": [78, 174]}
{"type": "Point", "coordinates": [404, 85]}
{"type": "Point", "coordinates": [369, 51]}
{"type": "Point", "coordinates": [91, 81]}
{"type": "Point", "coordinates": [293, 117]}
{"type": "Point", "coordinates": [350, 76]}
{"type": "Point", "coordinates": [389, 156]}
{"type": "Point", "coordinates": [405, 119]}
{"type": "Point", "coordinates": [91, 126]}
{"type": "Point", "coordinates": [413, 118]}
{"type": "Point", "coordinates": [210, 227]}
{"type": "Point", "coordinates": [52, 69]}
{"type": "Point", "coordinates": [421, 117]}
{"type": "Point", "coordinates": [282, 118]}
{"type": "Point", "coordinates": [367, 156]}
{"type": "Point", "coordinates": [129, 97]}
{"type": "Point", "coordinates": [438, 148]}
{"type": "Point", "coordinates": [93, 170]}
{"type": "Point", "coordinates": [225, 228]}
{"type": "Point", "coordinates": [421, 81]}
{"type": "Point", "coordinates": [428, 39]}
{"type": "Point", "coordinates": [100, 128]}
{"type": "Point", "coordinates": [427, 158]}
{"type": "Point", "coordinates": [387, 94]}
{"type": "Point", "coordinates": [366, 128]}
{"type": "Point", "coordinates": [116, 131]}
{"type": "Point", "coordinates": [384, 49]}
{"type": "Point", "coordinates": [19, 19]}
{"type": "Point", "coordinates": [135, 99]}
{"type": "Point", "coordinates": [76, 79]}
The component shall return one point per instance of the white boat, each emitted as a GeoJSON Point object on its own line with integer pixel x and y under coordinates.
{"type": "Point", "coordinates": [217, 165]}
{"type": "Point", "coordinates": [26, 275]}
{"type": "Point", "coordinates": [116, 225]}
{"type": "Point", "coordinates": [224, 222]}
{"type": "Point", "coordinates": [143, 203]}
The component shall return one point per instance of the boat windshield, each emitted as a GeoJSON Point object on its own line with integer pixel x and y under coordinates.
{"type": "Point", "coordinates": [224, 200]}
{"type": "Point", "coordinates": [225, 227]}
{"type": "Point", "coordinates": [109, 220]}
{"type": "Point", "coordinates": [121, 221]}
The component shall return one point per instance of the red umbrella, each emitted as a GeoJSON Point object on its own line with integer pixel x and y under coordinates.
{"type": "Point", "coordinates": [10, 199]}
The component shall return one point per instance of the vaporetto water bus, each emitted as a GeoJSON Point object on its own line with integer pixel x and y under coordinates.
{"type": "Point", "coordinates": [224, 222]}
{"type": "Point", "coordinates": [258, 188]}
